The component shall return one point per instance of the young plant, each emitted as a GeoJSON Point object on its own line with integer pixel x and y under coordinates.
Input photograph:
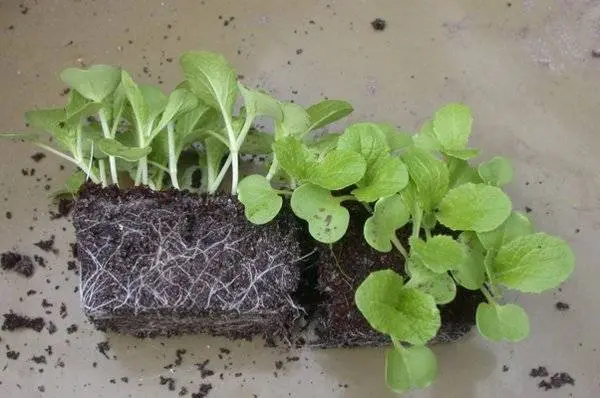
{"type": "Point", "coordinates": [464, 230]}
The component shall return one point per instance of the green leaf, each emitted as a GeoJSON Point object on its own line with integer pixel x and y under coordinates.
{"type": "Point", "coordinates": [54, 121]}
{"type": "Point", "coordinates": [261, 201]}
{"type": "Point", "coordinates": [295, 121]}
{"type": "Point", "coordinates": [112, 147]}
{"type": "Point", "coordinates": [474, 207]}
{"type": "Point", "coordinates": [338, 169]}
{"type": "Point", "coordinates": [395, 139]}
{"type": "Point", "coordinates": [135, 97]}
{"type": "Point", "coordinates": [452, 126]}
{"type": "Point", "coordinates": [516, 225]}
{"type": "Point", "coordinates": [440, 253]}
{"type": "Point", "coordinates": [326, 112]}
{"type": "Point", "coordinates": [498, 171]}
{"type": "Point", "coordinates": [179, 102]}
{"type": "Point", "coordinates": [260, 104]}
{"type": "Point", "coordinates": [533, 263]}
{"type": "Point", "coordinates": [20, 136]}
{"type": "Point", "coordinates": [461, 172]}
{"type": "Point", "coordinates": [257, 143]}
{"type": "Point", "coordinates": [75, 181]}
{"type": "Point", "coordinates": [405, 314]}
{"type": "Point", "coordinates": [463, 154]}
{"type": "Point", "coordinates": [215, 150]}
{"type": "Point", "coordinates": [156, 102]}
{"type": "Point", "coordinates": [429, 174]}
{"type": "Point", "coordinates": [366, 139]}
{"type": "Point", "coordinates": [212, 78]}
{"type": "Point", "coordinates": [471, 272]}
{"type": "Point", "coordinates": [390, 214]}
{"type": "Point", "coordinates": [327, 219]}
{"type": "Point", "coordinates": [387, 176]}
{"type": "Point", "coordinates": [440, 286]}
{"type": "Point", "coordinates": [410, 368]}
{"type": "Point", "coordinates": [502, 322]}
{"type": "Point", "coordinates": [94, 83]}
{"type": "Point", "coordinates": [79, 107]}
{"type": "Point", "coordinates": [319, 147]}
{"type": "Point", "coordinates": [426, 139]}
{"type": "Point", "coordinates": [293, 157]}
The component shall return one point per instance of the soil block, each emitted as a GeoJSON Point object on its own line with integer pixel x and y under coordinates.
{"type": "Point", "coordinates": [171, 262]}
{"type": "Point", "coordinates": [341, 269]}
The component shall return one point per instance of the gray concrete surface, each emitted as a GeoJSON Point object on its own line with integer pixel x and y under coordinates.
{"type": "Point", "coordinates": [525, 67]}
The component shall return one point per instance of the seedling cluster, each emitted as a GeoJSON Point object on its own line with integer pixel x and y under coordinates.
{"type": "Point", "coordinates": [464, 229]}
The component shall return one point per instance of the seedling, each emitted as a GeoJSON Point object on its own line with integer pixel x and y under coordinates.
{"type": "Point", "coordinates": [464, 230]}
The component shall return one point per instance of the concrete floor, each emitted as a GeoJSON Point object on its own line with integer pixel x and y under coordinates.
{"type": "Point", "coordinates": [525, 67]}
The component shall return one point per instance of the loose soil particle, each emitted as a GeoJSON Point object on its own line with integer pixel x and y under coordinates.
{"type": "Point", "coordinates": [103, 347]}
{"type": "Point", "coordinates": [14, 321]}
{"type": "Point", "coordinates": [179, 356]}
{"type": "Point", "coordinates": [540, 371]}
{"type": "Point", "coordinates": [47, 245]}
{"type": "Point", "coordinates": [562, 306]}
{"type": "Point", "coordinates": [14, 355]}
{"type": "Point", "coordinates": [19, 263]}
{"type": "Point", "coordinates": [204, 373]}
{"type": "Point", "coordinates": [38, 156]}
{"type": "Point", "coordinates": [39, 359]}
{"type": "Point", "coordinates": [203, 391]}
{"type": "Point", "coordinates": [65, 206]}
{"type": "Point", "coordinates": [379, 24]}
{"type": "Point", "coordinates": [168, 381]}
{"type": "Point", "coordinates": [557, 381]}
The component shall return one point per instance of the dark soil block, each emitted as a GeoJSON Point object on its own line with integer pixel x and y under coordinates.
{"type": "Point", "coordinates": [341, 269]}
{"type": "Point", "coordinates": [172, 262]}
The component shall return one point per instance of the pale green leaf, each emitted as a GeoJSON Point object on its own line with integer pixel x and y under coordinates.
{"type": "Point", "coordinates": [426, 139]}
{"type": "Point", "coordinates": [440, 253]}
{"type": "Point", "coordinates": [533, 263]}
{"type": "Point", "coordinates": [366, 139]}
{"type": "Point", "coordinates": [212, 78]}
{"type": "Point", "coordinates": [516, 225]}
{"type": "Point", "coordinates": [498, 171]}
{"type": "Point", "coordinates": [440, 286]}
{"type": "Point", "coordinates": [461, 172]}
{"type": "Point", "coordinates": [257, 143]}
{"type": "Point", "coordinates": [326, 112]}
{"type": "Point", "coordinates": [429, 174]}
{"type": "Point", "coordinates": [179, 102]}
{"type": "Point", "coordinates": [390, 213]}
{"type": "Point", "coordinates": [134, 95]}
{"type": "Point", "coordinates": [79, 107]}
{"type": "Point", "coordinates": [452, 126]}
{"type": "Point", "coordinates": [463, 154]}
{"type": "Point", "coordinates": [327, 219]}
{"type": "Point", "coordinates": [502, 322]}
{"type": "Point", "coordinates": [156, 102]}
{"type": "Point", "coordinates": [321, 146]}
{"type": "Point", "coordinates": [54, 121]}
{"type": "Point", "coordinates": [338, 169]}
{"type": "Point", "coordinates": [295, 121]}
{"type": "Point", "coordinates": [94, 83]}
{"type": "Point", "coordinates": [75, 181]}
{"type": "Point", "coordinates": [404, 313]}
{"type": "Point", "coordinates": [261, 201]}
{"type": "Point", "coordinates": [410, 368]}
{"type": "Point", "coordinates": [474, 207]}
{"type": "Point", "coordinates": [471, 272]}
{"type": "Point", "coordinates": [112, 147]}
{"type": "Point", "coordinates": [260, 104]}
{"type": "Point", "coordinates": [387, 176]}
{"type": "Point", "coordinates": [395, 139]}
{"type": "Point", "coordinates": [293, 157]}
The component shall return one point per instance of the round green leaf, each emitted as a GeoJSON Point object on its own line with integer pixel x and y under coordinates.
{"type": "Point", "coordinates": [387, 176]}
{"type": "Point", "coordinates": [429, 174]}
{"type": "Point", "coordinates": [406, 314]}
{"type": "Point", "coordinates": [471, 272]}
{"type": "Point", "coordinates": [368, 139]}
{"type": "Point", "coordinates": [426, 139]}
{"type": "Point", "coordinates": [440, 253]}
{"type": "Point", "coordinates": [474, 207]}
{"type": "Point", "coordinates": [498, 171]}
{"type": "Point", "coordinates": [326, 112]}
{"type": "Point", "coordinates": [440, 286]}
{"type": "Point", "coordinates": [517, 224]}
{"type": "Point", "coordinates": [502, 322]}
{"type": "Point", "coordinates": [462, 172]}
{"type": "Point", "coordinates": [94, 83]}
{"type": "Point", "coordinates": [338, 169]}
{"type": "Point", "coordinates": [452, 126]}
{"type": "Point", "coordinates": [261, 201]}
{"type": "Point", "coordinates": [533, 263]}
{"type": "Point", "coordinates": [390, 213]}
{"type": "Point", "coordinates": [327, 219]}
{"type": "Point", "coordinates": [410, 368]}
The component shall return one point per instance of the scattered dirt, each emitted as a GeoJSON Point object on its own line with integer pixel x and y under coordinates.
{"type": "Point", "coordinates": [64, 208]}
{"type": "Point", "coordinates": [540, 371]}
{"type": "Point", "coordinates": [379, 24]}
{"type": "Point", "coordinates": [204, 372]}
{"type": "Point", "coordinates": [14, 355]}
{"type": "Point", "coordinates": [72, 329]}
{"type": "Point", "coordinates": [14, 321]}
{"type": "Point", "coordinates": [52, 327]}
{"type": "Point", "coordinates": [47, 245]}
{"type": "Point", "coordinates": [103, 347]}
{"type": "Point", "coordinates": [17, 262]}
{"type": "Point", "coordinates": [179, 356]}
{"type": "Point", "coordinates": [557, 381]}
{"type": "Point", "coordinates": [168, 381]}
{"type": "Point", "coordinates": [8, 215]}
{"type": "Point", "coordinates": [505, 368]}
{"type": "Point", "coordinates": [38, 156]}
{"type": "Point", "coordinates": [203, 391]}
{"type": "Point", "coordinates": [41, 261]}
{"type": "Point", "coordinates": [596, 53]}
{"type": "Point", "coordinates": [39, 359]}
{"type": "Point", "coordinates": [562, 306]}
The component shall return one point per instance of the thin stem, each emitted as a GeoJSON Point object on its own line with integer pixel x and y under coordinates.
{"type": "Point", "coordinates": [399, 247]}
{"type": "Point", "coordinates": [284, 192]}
{"type": "Point", "coordinates": [234, 171]}
{"type": "Point", "coordinates": [111, 159]}
{"type": "Point", "coordinates": [102, 169]}
{"type": "Point", "coordinates": [172, 157]}
{"type": "Point", "coordinates": [144, 170]}
{"type": "Point", "coordinates": [57, 153]}
{"type": "Point", "coordinates": [398, 345]}
{"type": "Point", "coordinates": [428, 233]}
{"type": "Point", "coordinates": [273, 168]}
{"type": "Point", "coordinates": [417, 218]}
{"type": "Point", "coordinates": [212, 188]}
{"type": "Point", "coordinates": [488, 295]}
{"type": "Point", "coordinates": [158, 166]}
{"type": "Point", "coordinates": [344, 198]}
{"type": "Point", "coordinates": [219, 137]}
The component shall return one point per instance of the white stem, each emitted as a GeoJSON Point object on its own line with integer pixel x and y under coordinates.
{"type": "Point", "coordinates": [273, 168]}
{"type": "Point", "coordinates": [172, 156]}
{"type": "Point", "coordinates": [233, 153]}
{"type": "Point", "coordinates": [102, 169]}
{"type": "Point", "coordinates": [212, 188]}
{"type": "Point", "coordinates": [57, 153]}
{"type": "Point", "coordinates": [111, 159]}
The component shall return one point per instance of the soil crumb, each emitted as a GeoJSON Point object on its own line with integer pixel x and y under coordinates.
{"type": "Point", "coordinates": [19, 263]}
{"type": "Point", "coordinates": [38, 156]}
{"type": "Point", "coordinates": [562, 306]}
{"type": "Point", "coordinates": [168, 381]}
{"type": "Point", "coordinates": [14, 355]}
{"type": "Point", "coordinates": [14, 321]}
{"type": "Point", "coordinates": [179, 356]}
{"type": "Point", "coordinates": [540, 371]}
{"type": "Point", "coordinates": [47, 245]}
{"type": "Point", "coordinates": [204, 372]}
{"type": "Point", "coordinates": [379, 24]}
{"type": "Point", "coordinates": [557, 380]}
{"type": "Point", "coordinates": [203, 391]}
{"type": "Point", "coordinates": [103, 347]}
{"type": "Point", "coordinates": [64, 209]}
